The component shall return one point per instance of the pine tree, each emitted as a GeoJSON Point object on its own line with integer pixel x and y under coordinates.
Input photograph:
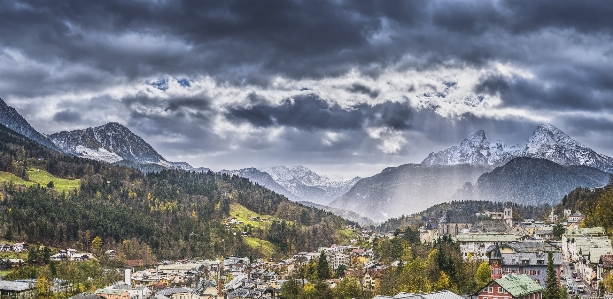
{"type": "Point", "coordinates": [552, 290]}
{"type": "Point", "coordinates": [323, 270]}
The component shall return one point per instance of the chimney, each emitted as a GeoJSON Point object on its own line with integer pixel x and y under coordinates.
{"type": "Point", "coordinates": [128, 277]}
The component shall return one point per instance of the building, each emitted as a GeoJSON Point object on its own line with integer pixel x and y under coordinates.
{"type": "Point", "coordinates": [577, 217]}
{"type": "Point", "coordinates": [511, 287]}
{"type": "Point", "coordinates": [437, 295]}
{"type": "Point", "coordinates": [113, 293]}
{"type": "Point", "coordinates": [474, 246]}
{"type": "Point", "coordinates": [337, 259]}
{"type": "Point", "coordinates": [529, 258]}
{"type": "Point", "coordinates": [14, 289]}
{"type": "Point", "coordinates": [454, 222]}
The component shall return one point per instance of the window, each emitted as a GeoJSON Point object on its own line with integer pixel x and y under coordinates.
{"type": "Point", "coordinates": [499, 289]}
{"type": "Point", "coordinates": [490, 289]}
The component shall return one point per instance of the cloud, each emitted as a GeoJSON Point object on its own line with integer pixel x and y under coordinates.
{"type": "Point", "coordinates": [310, 81]}
{"type": "Point", "coordinates": [67, 116]}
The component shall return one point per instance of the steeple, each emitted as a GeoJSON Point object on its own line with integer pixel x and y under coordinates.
{"type": "Point", "coordinates": [496, 262]}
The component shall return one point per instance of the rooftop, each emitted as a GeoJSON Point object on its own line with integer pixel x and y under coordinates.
{"type": "Point", "coordinates": [519, 285]}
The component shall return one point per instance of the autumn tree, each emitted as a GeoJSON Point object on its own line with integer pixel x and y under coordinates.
{"type": "Point", "coordinates": [483, 275]}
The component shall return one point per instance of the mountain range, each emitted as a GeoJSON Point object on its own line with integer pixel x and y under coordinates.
{"type": "Point", "coordinates": [543, 170]}
{"type": "Point", "coordinates": [547, 142]}
{"type": "Point", "coordinates": [298, 183]}
{"type": "Point", "coordinates": [115, 144]}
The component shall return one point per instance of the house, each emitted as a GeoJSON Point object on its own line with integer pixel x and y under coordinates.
{"type": "Point", "coordinates": [205, 289]}
{"type": "Point", "coordinates": [529, 258]}
{"type": "Point", "coordinates": [437, 295]}
{"type": "Point", "coordinates": [337, 259]}
{"type": "Point", "coordinates": [175, 293]}
{"type": "Point", "coordinates": [577, 217]}
{"type": "Point", "coordinates": [14, 289]}
{"type": "Point", "coordinates": [474, 246]}
{"type": "Point", "coordinates": [453, 222]}
{"type": "Point", "coordinates": [113, 293]}
{"type": "Point", "coordinates": [511, 287]}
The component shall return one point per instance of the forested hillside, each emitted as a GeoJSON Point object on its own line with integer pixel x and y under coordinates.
{"type": "Point", "coordinates": [434, 213]}
{"type": "Point", "coordinates": [596, 204]}
{"type": "Point", "coordinates": [170, 214]}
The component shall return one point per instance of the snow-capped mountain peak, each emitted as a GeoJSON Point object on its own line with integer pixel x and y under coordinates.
{"type": "Point", "coordinates": [114, 143]}
{"type": "Point", "coordinates": [547, 142]}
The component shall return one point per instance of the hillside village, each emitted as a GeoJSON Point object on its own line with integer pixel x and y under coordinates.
{"type": "Point", "coordinates": [517, 252]}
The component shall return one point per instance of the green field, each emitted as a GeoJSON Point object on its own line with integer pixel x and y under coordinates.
{"type": "Point", "coordinates": [243, 214]}
{"type": "Point", "coordinates": [41, 177]}
{"type": "Point", "coordinates": [263, 246]}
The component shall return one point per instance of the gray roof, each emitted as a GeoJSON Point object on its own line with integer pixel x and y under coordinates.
{"type": "Point", "coordinates": [169, 291]}
{"type": "Point", "coordinates": [458, 217]}
{"type": "Point", "coordinates": [86, 296]}
{"type": "Point", "coordinates": [14, 286]}
{"type": "Point", "coordinates": [530, 258]}
{"type": "Point", "coordinates": [437, 295]}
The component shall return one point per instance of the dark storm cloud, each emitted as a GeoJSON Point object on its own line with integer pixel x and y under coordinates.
{"type": "Point", "coordinates": [247, 42]}
{"type": "Point", "coordinates": [67, 116]}
{"type": "Point", "coordinates": [359, 88]}
{"type": "Point", "coordinates": [73, 47]}
{"type": "Point", "coordinates": [313, 113]}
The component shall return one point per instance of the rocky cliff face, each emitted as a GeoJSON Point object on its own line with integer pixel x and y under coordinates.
{"type": "Point", "coordinates": [11, 119]}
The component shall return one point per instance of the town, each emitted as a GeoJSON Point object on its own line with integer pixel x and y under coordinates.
{"type": "Point", "coordinates": [516, 252]}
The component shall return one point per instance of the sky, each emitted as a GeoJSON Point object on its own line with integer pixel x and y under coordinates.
{"type": "Point", "coordinates": [342, 87]}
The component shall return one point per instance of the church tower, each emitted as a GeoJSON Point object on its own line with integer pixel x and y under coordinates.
{"type": "Point", "coordinates": [496, 262]}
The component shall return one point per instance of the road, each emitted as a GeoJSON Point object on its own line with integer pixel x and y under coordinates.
{"type": "Point", "coordinates": [566, 271]}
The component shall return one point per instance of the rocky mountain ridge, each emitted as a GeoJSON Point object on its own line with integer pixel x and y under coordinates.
{"type": "Point", "coordinates": [547, 142]}
{"type": "Point", "coordinates": [114, 143]}
{"type": "Point", "coordinates": [11, 119]}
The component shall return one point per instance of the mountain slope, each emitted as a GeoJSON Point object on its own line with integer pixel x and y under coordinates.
{"type": "Point", "coordinates": [109, 143]}
{"type": "Point", "coordinates": [114, 143]}
{"type": "Point", "coordinates": [262, 179]}
{"type": "Point", "coordinates": [172, 214]}
{"type": "Point", "coordinates": [10, 118]}
{"type": "Point", "coordinates": [532, 181]}
{"type": "Point", "coordinates": [406, 189]}
{"type": "Point", "coordinates": [547, 142]}
{"type": "Point", "coordinates": [297, 183]}
{"type": "Point", "coordinates": [310, 186]}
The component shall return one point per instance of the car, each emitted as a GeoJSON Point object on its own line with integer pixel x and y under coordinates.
{"type": "Point", "coordinates": [574, 274]}
{"type": "Point", "coordinates": [571, 291]}
{"type": "Point", "coordinates": [578, 279]}
{"type": "Point", "coordinates": [563, 277]}
{"type": "Point", "coordinates": [581, 289]}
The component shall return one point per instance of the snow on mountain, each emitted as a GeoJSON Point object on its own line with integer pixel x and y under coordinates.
{"type": "Point", "coordinates": [263, 179]}
{"type": "Point", "coordinates": [547, 142]}
{"type": "Point", "coordinates": [308, 185]}
{"type": "Point", "coordinates": [298, 183]}
{"type": "Point", "coordinates": [114, 143]}
{"type": "Point", "coordinates": [109, 143]}
{"type": "Point", "coordinates": [11, 119]}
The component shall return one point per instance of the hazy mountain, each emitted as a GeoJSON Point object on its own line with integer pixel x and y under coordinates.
{"type": "Point", "coordinates": [262, 179]}
{"type": "Point", "coordinates": [114, 143]}
{"type": "Point", "coordinates": [532, 181]}
{"type": "Point", "coordinates": [11, 119]}
{"type": "Point", "coordinates": [547, 142]}
{"type": "Point", "coordinates": [297, 183]}
{"type": "Point", "coordinates": [406, 189]}
{"type": "Point", "coordinates": [310, 186]}
{"type": "Point", "coordinates": [345, 214]}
